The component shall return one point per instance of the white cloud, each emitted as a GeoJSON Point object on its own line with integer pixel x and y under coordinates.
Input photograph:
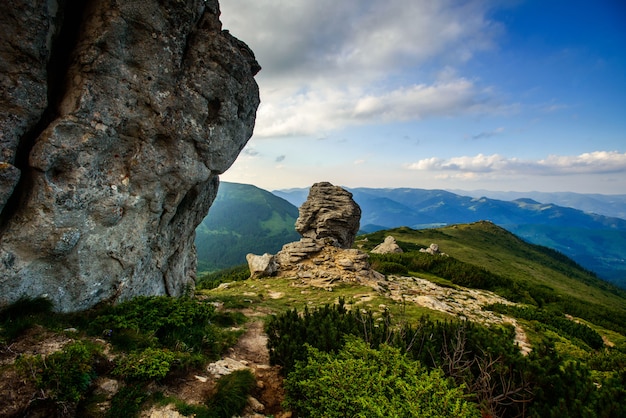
{"type": "Point", "coordinates": [329, 64]}
{"type": "Point", "coordinates": [597, 162]}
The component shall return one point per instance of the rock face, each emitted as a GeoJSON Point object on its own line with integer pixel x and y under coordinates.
{"type": "Point", "coordinates": [329, 212]}
{"type": "Point", "coordinates": [388, 246]}
{"type": "Point", "coordinates": [116, 119]}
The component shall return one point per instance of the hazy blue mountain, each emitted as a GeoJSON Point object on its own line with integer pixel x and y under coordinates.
{"type": "Point", "coordinates": [608, 205]}
{"type": "Point", "coordinates": [243, 219]}
{"type": "Point", "coordinates": [595, 241]}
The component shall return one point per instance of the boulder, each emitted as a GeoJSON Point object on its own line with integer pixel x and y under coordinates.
{"type": "Point", "coordinates": [329, 212]}
{"type": "Point", "coordinates": [388, 246]}
{"type": "Point", "coordinates": [261, 265]}
{"type": "Point", "coordinates": [432, 249]}
{"type": "Point", "coordinates": [116, 120]}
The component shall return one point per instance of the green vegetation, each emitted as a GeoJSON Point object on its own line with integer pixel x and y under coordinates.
{"type": "Point", "coordinates": [232, 274]}
{"type": "Point", "coordinates": [359, 381]}
{"type": "Point", "coordinates": [243, 219]}
{"type": "Point", "coordinates": [485, 256]}
{"type": "Point", "coordinates": [366, 354]}
{"type": "Point", "coordinates": [556, 321]}
{"type": "Point", "coordinates": [484, 362]}
{"type": "Point", "coordinates": [153, 337]}
{"type": "Point", "coordinates": [148, 364]}
{"type": "Point", "coordinates": [63, 376]}
{"type": "Point", "coordinates": [232, 393]}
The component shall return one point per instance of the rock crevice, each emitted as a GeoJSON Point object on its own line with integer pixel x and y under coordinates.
{"type": "Point", "coordinates": [157, 101]}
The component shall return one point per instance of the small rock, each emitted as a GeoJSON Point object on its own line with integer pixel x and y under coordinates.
{"type": "Point", "coordinates": [255, 404]}
{"type": "Point", "coordinates": [388, 246]}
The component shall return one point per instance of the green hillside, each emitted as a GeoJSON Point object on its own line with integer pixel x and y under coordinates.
{"type": "Point", "coordinates": [518, 270]}
{"type": "Point", "coordinates": [243, 219]}
{"type": "Point", "coordinates": [559, 350]}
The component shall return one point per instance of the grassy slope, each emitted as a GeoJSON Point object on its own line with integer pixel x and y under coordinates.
{"type": "Point", "coordinates": [487, 245]}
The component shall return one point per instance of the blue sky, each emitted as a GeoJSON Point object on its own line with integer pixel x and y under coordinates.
{"type": "Point", "coordinates": [507, 95]}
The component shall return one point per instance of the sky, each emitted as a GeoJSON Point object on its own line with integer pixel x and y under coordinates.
{"type": "Point", "coordinates": [508, 95]}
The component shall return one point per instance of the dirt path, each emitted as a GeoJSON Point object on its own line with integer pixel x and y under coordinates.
{"type": "Point", "coordinates": [251, 350]}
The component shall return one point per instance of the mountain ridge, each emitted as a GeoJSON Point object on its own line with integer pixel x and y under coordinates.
{"type": "Point", "coordinates": [595, 241]}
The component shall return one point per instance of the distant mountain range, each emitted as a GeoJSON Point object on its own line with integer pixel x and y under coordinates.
{"type": "Point", "coordinates": [602, 204]}
{"type": "Point", "coordinates": [248, 219]}
{"type": "Point", "coordinates": [597, 242]}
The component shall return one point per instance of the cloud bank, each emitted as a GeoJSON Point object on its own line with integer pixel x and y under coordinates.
{"type": "Point", "coordinates": [328, 64]}
{"type": "Point", "coordinates": [598, 162]}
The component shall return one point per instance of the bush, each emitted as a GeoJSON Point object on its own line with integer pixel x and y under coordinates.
{"type": "Point", "coordinates": [180, 324]}
{"type": "Point", "coordinates": [127, 402]}
{"type": "Point", "coordinates": [232, 393]}
{"type": "Point", "coordinates": [64, 376]}
{"type": "Point", "coordinates": [362, 382]}
{"type": "Point", "coordinates": [151, 363]}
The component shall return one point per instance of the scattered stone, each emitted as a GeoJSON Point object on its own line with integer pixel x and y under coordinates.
{"type": "Point", "coordinates": [106, 386]}
{"type": "Point", "coordinates": [225, 366]}
{"type": "Point", "coordinates": [433, 249]}
{"type": "Point", "coordinates": [255, 404]}
{"type": "Point", "coordinates": [388, 246]}
{"type": "Point", "coordinates": [167, 411]}
{"type": "Point", "coordinates": [261, 265]}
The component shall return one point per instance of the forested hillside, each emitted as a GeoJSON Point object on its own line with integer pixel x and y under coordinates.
{"type": "Point", "coordinates": [243, 219]}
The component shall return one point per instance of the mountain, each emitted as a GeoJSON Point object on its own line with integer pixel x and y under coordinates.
{"type": "Point", "coordinates": [595, 241]}
{"type": "Point", "coordinates": [243, 219]}
{"type": "Point", "coordinates": [607, 205]}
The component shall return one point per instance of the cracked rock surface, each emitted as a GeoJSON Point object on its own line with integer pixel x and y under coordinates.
{"type": "Point", "coordinates": [116, 119]}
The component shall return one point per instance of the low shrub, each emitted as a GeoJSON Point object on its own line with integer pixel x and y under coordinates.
{"type": "Point", "coordinates": [232, 393]}
{"type": "Point", "coordinates": [151, 363]}
{"type": "Point", "coordinates": [362, 382]}
{"type": "Point", "coordinates": [63, 376]}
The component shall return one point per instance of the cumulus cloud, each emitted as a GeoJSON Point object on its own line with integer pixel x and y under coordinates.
{"type": "Point", "coordinates": [329, 64]}
{"type": "Point", "coordinates": [597, 162]}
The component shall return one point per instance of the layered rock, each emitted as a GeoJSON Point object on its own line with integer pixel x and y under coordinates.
{"type": "Point", "coordinates": [329, 212]}
{"type": "Point", "coordinates": [116, 120]}
{"type": "Point", "coordinates": [328, 223]}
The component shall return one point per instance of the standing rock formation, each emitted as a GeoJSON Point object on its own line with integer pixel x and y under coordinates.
{"type": "Point", "coordinates": [116, 119]}
{"type": "Point", "coordinates": [328, 223]}
{"type": "Point", "coordinates": [329, 212]}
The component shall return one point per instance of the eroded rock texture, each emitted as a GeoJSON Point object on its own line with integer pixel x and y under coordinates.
{"type": "Point", "coordinates": [329, 212]}
{"type": "Point", "coordinates": [116, 118]}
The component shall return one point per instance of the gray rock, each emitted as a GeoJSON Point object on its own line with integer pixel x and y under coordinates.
{"type": "Point", "coordinates": [116, 120]}
{"type": "Point", "coordinates": [329, 213]}
{"type": "Point", "coordinates": [433, 249]}
{"type": "Point", "coordinates": [261, 265]}
{"type": "Point", "coordinates": [388, 246]}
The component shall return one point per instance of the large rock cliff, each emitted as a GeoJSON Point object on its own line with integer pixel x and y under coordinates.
{"type": "Point", "coordinates": [116, 118]}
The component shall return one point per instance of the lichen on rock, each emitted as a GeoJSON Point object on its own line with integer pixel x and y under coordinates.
{"type": "Point", "coordinates": [116, 120]}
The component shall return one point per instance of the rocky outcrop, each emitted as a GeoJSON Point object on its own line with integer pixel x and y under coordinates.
{"type": "Point", "coordinates": [388, 246]}
{"type": "Point", "coordinates": [328, 223]}
{"type": "Point", "coordinates": [116, 119]}
{"type": "Point", "coordinates": [329, 212]}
